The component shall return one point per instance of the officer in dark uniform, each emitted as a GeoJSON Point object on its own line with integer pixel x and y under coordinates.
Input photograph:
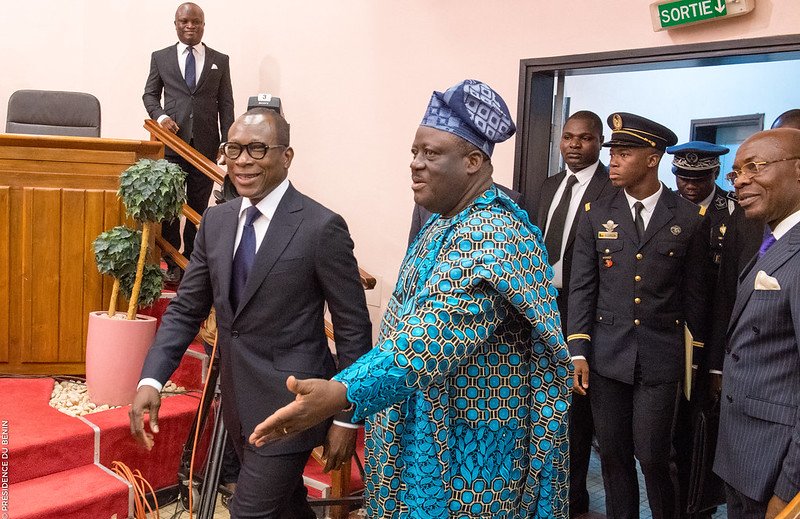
{"type": "Point", "coordinates": [632, 291]}
{"type": "Point", "coordinates": [696, 167]}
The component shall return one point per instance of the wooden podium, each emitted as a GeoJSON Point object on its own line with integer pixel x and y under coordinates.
{"type": "Point", "coordinates": [56, 195]}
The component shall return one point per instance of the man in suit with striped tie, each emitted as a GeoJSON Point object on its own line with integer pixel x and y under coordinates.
{"type": "Point", "coordinates": [758, 450]}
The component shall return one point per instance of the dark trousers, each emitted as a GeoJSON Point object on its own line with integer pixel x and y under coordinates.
{"type": "Point", "coordinates": [635, 420]}
{"type": "Point", "coordinates": [198, 191]}
{"type": "Point", "coordinates": [682, 442]}
{"type": "Point", "coordinates": [742, 507]}
{"type": "Point", "coordinates": [271, 487]}
{"type": "Point", "coordinates": [581, 429]}
{"type": "Point", "coordinates": [229, 472]}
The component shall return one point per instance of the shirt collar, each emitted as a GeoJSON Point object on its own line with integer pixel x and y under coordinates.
{"type": "Point", "coordinates": [199, 48]}
{"type": "Point", "coordinates": [269, 203]}
{"type": "Point", "coordinates": [786, 225]}
{"type": "Point", "coordinates": [707, 201]}
{"type": "Point", "coordinates": [584, 175]}
{"type": "Point", "coordinates": [649, 203]}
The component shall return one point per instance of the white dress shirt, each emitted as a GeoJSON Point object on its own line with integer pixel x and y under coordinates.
{"type": "Point", "coordinates": [786, 225]}
{"type": "Point", "coordinates": [583, 176]}
{"type": "Point", "coordinates": [649, 204]}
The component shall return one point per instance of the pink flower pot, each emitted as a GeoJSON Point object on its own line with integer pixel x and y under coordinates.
{"type": "Point", "coordinates": [115, 352]}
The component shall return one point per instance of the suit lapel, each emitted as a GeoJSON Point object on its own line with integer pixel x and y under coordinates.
{"type": "Point", "coordinates": [621, 214]}
{"type": "Point", "coordinates": [282, 228]}
{"type": "Point", "coordinates": [209, 61]}
{"type": "Point", "coordinates": [776, 256]}
{"type": "Point", "coordinates": [549, 189]}
{"type": "Point", "coordinates": [227, 237]}
{"type": "Point", "coordinates": [595, 187]}
{"type": "Point", "coordinates": [662, 215]}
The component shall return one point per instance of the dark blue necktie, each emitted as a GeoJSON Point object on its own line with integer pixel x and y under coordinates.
{"type": "Point", "coordinates": [190, 74]}
{"type": "Point", "coordinates": [244, 257]}
{"type": "Point", "coordinates": [769, 241]}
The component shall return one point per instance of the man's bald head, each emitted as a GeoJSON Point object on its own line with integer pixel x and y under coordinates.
{"type": "Point", "coordinates": [190, 23]}
{"type": "Point", "coordinates": [788, 119]}
{"type": "Point", "coordinates": [769, 187]}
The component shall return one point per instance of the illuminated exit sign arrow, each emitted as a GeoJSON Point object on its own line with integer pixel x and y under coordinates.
{"type": "Point", "coordinates": [668, 15]}
{"type": "Point", "coordinates": [690, 11]}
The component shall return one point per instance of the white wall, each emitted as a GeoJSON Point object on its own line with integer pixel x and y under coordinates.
{"type": "Point", "coordinates": [354, 75]}
{"type": "Point", "coordinates": [675, 97]}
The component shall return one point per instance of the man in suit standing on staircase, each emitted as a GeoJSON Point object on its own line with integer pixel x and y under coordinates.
{"type": "Point", "coordinates": [198, 106]}
{"type": "Point", "coordinates": [561, 202]}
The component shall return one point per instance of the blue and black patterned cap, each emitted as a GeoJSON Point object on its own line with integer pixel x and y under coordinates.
{"type": "Point", "coordinates": [473, 111]}
{"type": "Point", "coordinates": [635, 131]}
{"type": "Point", "coordinates": [696, 159]}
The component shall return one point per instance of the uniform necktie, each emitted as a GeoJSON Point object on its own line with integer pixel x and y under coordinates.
{"type": "Point", "coordinates": [555, 231]}
{"type": "Point", "coordinates": [190, 74]}
{"type": "Point", "coordinates": [769, 241]}
{"type": "Point", "coordinates": [244, 257]}
{"type": "Point", "coordinates": [639, 220]}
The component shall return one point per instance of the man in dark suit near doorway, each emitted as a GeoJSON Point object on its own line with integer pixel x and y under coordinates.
{"type": "Point", "coordinates": [561, 201]}
{"type": "Point", "coordinates": [633, 287]}
{"type": "Point", "coordinates": [268, 262]}
{"type": "Point", "coordinates": [758, 448]}
{"type": "Point", "coordinates": [198, 106]}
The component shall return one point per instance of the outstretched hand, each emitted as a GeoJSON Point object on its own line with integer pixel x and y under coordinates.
{"type": "Point", "coordinates": [316, 400]}
{"type": "Point", "coordinates": [148, 400]}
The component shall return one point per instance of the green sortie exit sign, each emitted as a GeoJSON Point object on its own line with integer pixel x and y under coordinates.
{"type": "Point", "coordinates": [682, 12]}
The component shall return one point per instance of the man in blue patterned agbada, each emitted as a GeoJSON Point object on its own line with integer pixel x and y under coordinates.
{"type": "Point", "coordinates": [465, 395]}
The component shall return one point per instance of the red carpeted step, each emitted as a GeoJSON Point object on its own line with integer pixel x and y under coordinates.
{"type": "Point", "coordinates": [41, 440]}
{"type": "Point", "coordinates": [79, 493]}
{"type": "Point", "coordinates": [158, 466]}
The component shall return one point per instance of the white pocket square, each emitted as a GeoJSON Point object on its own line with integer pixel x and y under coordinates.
{"type": "Point", "coordinates": [214, 66]}
{"type": "Point", "coordinates": [765, 282]}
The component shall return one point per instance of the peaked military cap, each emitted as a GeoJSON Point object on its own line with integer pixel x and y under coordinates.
{"type": "Point", "coordinates": [635, 131]}
{"type": "Point", "coordinates": [696, 159]}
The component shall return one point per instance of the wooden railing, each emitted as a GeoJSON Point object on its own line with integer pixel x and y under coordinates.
{"type": "Point", "coordinates": [215, 173]}
{"type": "Point", "coordinates": [792, 510]}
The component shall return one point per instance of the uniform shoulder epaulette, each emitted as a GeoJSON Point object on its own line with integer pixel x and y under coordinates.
{"type": "Point", "coordinates": [587, 206]}
{"type": "Point", "coordinates": [702, 211]}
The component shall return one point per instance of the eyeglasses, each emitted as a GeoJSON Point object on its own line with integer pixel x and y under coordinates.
{"type": "Point", "coordinates": [257, 150]}
{"type": "Point", "coordinates": [751, 169]}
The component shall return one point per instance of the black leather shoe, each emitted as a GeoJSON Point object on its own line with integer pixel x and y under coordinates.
{"type": "Point", "coordinates": [173, 276]}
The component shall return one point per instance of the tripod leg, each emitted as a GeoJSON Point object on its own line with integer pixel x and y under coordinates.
{"type": "Point", "coordinates": [208, 496]}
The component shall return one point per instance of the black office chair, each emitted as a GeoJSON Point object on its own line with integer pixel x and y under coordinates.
{"type": "Point", "coordinates": [47, 112]}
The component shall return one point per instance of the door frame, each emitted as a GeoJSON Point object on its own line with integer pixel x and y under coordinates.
{"type": "Point", "coordinates": [537, 85]}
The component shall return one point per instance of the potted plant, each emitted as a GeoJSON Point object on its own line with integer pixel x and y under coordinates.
{"type": "Point", "coordinates": [152, 191]}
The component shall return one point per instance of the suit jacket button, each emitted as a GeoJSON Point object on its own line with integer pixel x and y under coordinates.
{"type": "Point", "coordinates": [235, 334]}
{"type": "Point", "coordinates": [637, 322]}
{"type": "Point", "coordinates": [756, 330]}
{"type": "Point", "coordinates": [727, 350]}
{"type": "Point", "coordinates": [639, 256]}
{"type": "Point", "coordinates": [735, 357]}
{"type": "Point", "coordinates": [637, 300]}
{"type": "Point", "coordinates": [637, 277]}
{"type": "Point", "coordinates": [729, 398]}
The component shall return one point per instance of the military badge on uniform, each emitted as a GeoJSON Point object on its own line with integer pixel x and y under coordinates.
{"type": "Point", "coordinates": [720, 202]}
{"type": "Point", "coordinates": [722, 230]}
{"type": "Point", "coordinates": [675, 229]}
{"type": "Point", "coordinates": [616, 122]}
{"type": "Point", "coordinates": [608, 262]}
{"type": "Point", "coordinates": [609, 234]}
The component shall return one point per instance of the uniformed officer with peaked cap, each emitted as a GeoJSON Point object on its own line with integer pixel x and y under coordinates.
{"type": "Point", "coordinates": [696, 167]}
{"type": "Point", "coordinates": [632, 289]}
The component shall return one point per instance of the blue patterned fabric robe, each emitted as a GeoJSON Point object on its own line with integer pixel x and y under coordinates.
{"type": "Point", "coordinates": [466, 393]}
